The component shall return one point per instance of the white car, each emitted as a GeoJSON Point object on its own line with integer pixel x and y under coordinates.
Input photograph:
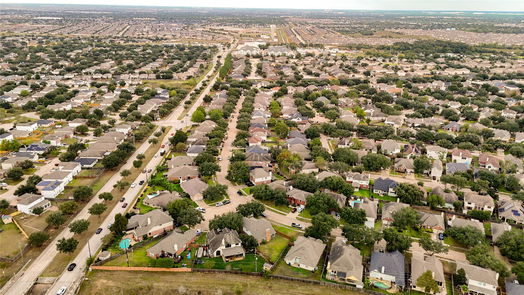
{"type": "Point", "coordinates": [133, 185]}
{"type": "Point", "coordinates": [61, 291]}
{"type": "Point", "coordinates": [201, 209]}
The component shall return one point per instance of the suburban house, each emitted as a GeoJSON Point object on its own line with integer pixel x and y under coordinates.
{"type": "Point", "coordinates": [29, 126]}
{"type": "Point", "coordinates": [461, 222]}
{"type": "Point", "coordinates": [436, 170]}
{"type": "Point", "coordinates": [160, 199]}
{"type": "Point", "coordinates": [447, 195]}
{"type": "Point", "coordinates": [370, 207]}
{"type": "Point", "coordinates": [28, 202]}
{"type": "Point", "coordinates": [259, 176]}
{"type": "Point", "coordinates": [50, 189]}
{"type": "Point", "coordinates": [305, 253]}
{"type": "Point", "coordinates": [436, 152]}
{"type": "Point", "coordinates": [182, 173]}
{"type": "Point", "coordinates": [489, 162]}
{"type": "Point", "coordinates": [194, 188]}
{"type": "Point", "coordinates": [403, 165]}
{"type": "Point", "coordinates": [387, 269]}
{"type": "Point", "coordinates": [358, 180]}
{"type": "Point", "coordinates": [390, 147]}
{"type": "Point", "coordinates": [497, 229]}
{"type": "Point", "coordinates": [297, 197]}
{"type": "Point", "coordinates": [345, 264]}
{"type": "Point", "coordinates": [225, 243]}
{"type": "Point", "coordinates": [72, 167]}
{"type": "Point", "coordinates": [151, 224]}
{"type": "Point", "coordinates": [474, 201]}
{"type": "Point", "coordinates": [480, 280]}
{"type": "Point", "coordinates": [384, 186]}
{"type": "Point", "coordinates": [421, 264]}
{"type": "Point", "coordinates": [388, 210]}
{"type": "Point", "coordinates": [260, 229]}
{"type": "Point", "coordinates": [173, 244]}
{"type": "Point", "coordinates": [510, 209]}
{"type": "Point", "coordinates": [461, 156]}
{"type": "Point", "coordinates": [434, 222]}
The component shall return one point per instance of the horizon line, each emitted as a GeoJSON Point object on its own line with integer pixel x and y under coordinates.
{"type": "Point", "coordinates": [254, 8]}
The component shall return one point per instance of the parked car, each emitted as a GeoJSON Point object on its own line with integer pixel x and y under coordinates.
{"type": "Point", "coordinates": [98, 230]}
{"type": "Point", "coordinates": [122, 199]}
{"type": "Point", "coordinates": [239, 192]}
{"type": "Point", "coordinates": [226, 202]}
{"type": "Point", "coordinates": [201, 209]}
{"type": "Point", "coordinates": [300, 209]}
{"type": "Point", "coordinates": [3, 184]}
{"type": "Point", "coordinates": [124, 205]}
{"type": "Point", "coordinates": [293, 210]}
{"type": "Point", "coordinates": [144, 171]}
{"type": "Point", "coordinates": [219, 204]}
{"type": "Point", "coordinates": [71, 266]}
{"type": "Point", "coordinates": [141, 182]}
{"type": "Point", "coordinates": [133, 185]}
{"type": "Point", "coordinates": [61, 291]}
{"type": "Point", "coordinates": [296, 225]}
{"type": "Point", "coordinates": [150, 170]}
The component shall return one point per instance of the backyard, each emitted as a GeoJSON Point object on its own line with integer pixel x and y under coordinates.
{"type": "Point", "coordinates": [134, 283]}
{"type": "Point", "coordinates": [11, 240]}
{"type": "Point", "coordinates": [273, 248]}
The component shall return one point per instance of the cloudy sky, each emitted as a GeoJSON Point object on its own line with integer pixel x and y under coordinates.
{"type": "Point", "coordinates": [476, 5]}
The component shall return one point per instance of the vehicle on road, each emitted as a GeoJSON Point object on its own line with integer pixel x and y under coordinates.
{"type": "Point", "coordinates": [61, 291]}
{"type": "Point", "coordinates": [300, 209]}
{"type": "Point", "coordinates": [122, 199]}
{"type": "Point", "coordinates": [3, 184]}
{"type": "Point", "coordinates": [201, 209]}
{"type": "Point", "coordinates": [226, 202]}
{"type": "Point", "coordinates": [133, 185]}
{"type": "Point", "coordinates": [163, 146]}
{"type": "Point", "coordinates": [144, 171]}
{"type": "Point", "coordinates": [141, 182]}
{"type": "Point", "coordinates": [219, 204]}
{"type": "Point", "coordinates": [71, 266]}
{"type": "Point", "coordinates": [240, 193]}
{"type": "Point", "coordinates": [296, 225]}
{"type": "Point", "coordinates": [110, 225]}
{"type": "Point", "coordinates": [124, 205]}
{"type": "Point", "coordinates": [98, 230]}
{"type": "Point", "coordinates": [149, 171]}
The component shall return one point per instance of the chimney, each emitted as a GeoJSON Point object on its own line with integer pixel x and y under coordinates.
{"type": "Point", "coordinates": [268, 235]}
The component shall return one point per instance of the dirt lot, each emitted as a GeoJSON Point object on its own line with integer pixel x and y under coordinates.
{"type": "Point", "coordinates": [130, 283]}
{"type": "Point", "coordinates": [11, 240]}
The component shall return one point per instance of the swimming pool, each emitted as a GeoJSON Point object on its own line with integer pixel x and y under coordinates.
{"type": "Point", "coordinates": [124, 244]}
{"type": "Point", "coordinates": [381, 285]}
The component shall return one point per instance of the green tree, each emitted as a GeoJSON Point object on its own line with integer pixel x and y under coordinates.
{"type": "Point", "coordinates": [228, 220]}
{"type": "Point", "coordinates": [281, 129]}
{"type": "Point", "coordinates": [480, 215]}
{"type": "Point", "coordinates": [119, 225]}
{"type": "Point", "coordinates": [361, 235]}
{"type": "Point", "coordinates": [345, 155]}
{"type": "Point", "coordinates": [427, 283]}
{"type": "Point", "coordinates": [82, 193]}
{"type": "Point", "coordinates": [125, 173]}
{"type": "Point", "coordinates": [68, 207]}
{"type": "Point", "coordinates": [405, 218]}
{"type": "Point", "coordinates": [238, 172]}
{"type": "Point", "coordinates": [482, 255]}
{"type": "Point", "coordinates": [409, 193]}
{"type": "Point", "coordinates": [435, 201]}
{"type": "Point", "coordinates": [38, 210]}
{"type": "Point", "coordinates": [55, 219]}
{"type": "Point", "coordinates": [251, 209]}
{"type": "Point", "coordinates": [37, 239]}
{"type": "Point", "coordinates": [511, 244]}
{"type": "Point", "coordinates": [15, 173]}
{"type": "Point", "coordinates": [321, 226]}
{"type": "Point", "coordinates": [353, 215]}
{"type": "Point", "coordinates": [321, 202]}
{"type": "Point", "coordinates": [81, 130]}
{"type": "Point", "coordinates": [184, 213]}
{"type": "Point", "coordinates": [431, 246]}
{"type": "Point", "coordinates": [97, 209]}
{"type": "Point", "coordinates": [66, 245]}
{"type": "Point", "coordinates": [179, 137]}
{"type": "Point", "coordinates": [105, 196]}
{"type": "Point", "coordinates": [467, 236]}
{"type": "Point", "coordinates": [214, 193]}
{"type": "Point", "coordinates": [375, 162]}
{"type": "Point", "coordinates": [26, 165]}
{"type": "Point", "coordinates": [198, 116]}
{"type": "Point", "coordinates": [249, 243]}
{"type": "Point", "coordinates": [79, 226]}
{"type": "Point", "coordinates": [306, 182]}
{"type": "Point", "coordinates": [208, 169]}
{"type": "Point", "coordinates": [396, 241]}
{"type": "Point", "coordinates": [421, 164]}
{"type": "Point", "coordinates": [137, 163]}
{"type": "Point", "coordinates": [518, 270]}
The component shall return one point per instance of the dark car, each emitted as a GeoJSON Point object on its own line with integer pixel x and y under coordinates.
{"type": "Point", "coordinates": [226, 202]}
{"type": "Point", "coordinates": [239, 192]}
{"type": "Point", "coordinates": [124, 205]}
{"type": "Point", "coordinates": [296, 225]}
{"type": "Point", "coordinates": [123, 199]}
{"type": "Point", "coordinates": [71, 266]}
{"type": "Point", "coordinates": [98, 230]}
{"type": "Point", "coordinates": [141, 182]}
{"type": "Point", "coordinates": [293, 210]}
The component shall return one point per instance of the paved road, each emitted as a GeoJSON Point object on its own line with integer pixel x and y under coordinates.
{"type": "Point", "coordinates": [71, 279]}
{"type": "Point", "coordinates": [9, 195]}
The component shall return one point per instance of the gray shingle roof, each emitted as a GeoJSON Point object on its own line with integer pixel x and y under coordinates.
{"type": "Point", "coordinates": [392, 263]}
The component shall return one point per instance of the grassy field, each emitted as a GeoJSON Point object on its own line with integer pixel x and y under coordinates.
{"type": "Point", "coordinates": [290, 271]}
{"type": "Point", "coordinates": [366, 194]}
{"type": "Point", "coordinates": [288, 231]}
{"type": "Point", "coordinates": [11, 240]}
{"type": "Point", "coordinates": [134, 283]}
{"type": "Point", "coordinates": [247, 264]}
{"type": "Point", "coordinates": [273, 249]}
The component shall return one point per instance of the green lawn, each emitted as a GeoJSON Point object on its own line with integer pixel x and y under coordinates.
{"type": "Point", "coordinates": [305, 214]}
{"type": "Point", "coordinates": [288, 231]}
{"type": "Point", "coordinates": [247, 264]}
{"type": "Point", "coordinates": [11, 240]}
{"type": "Point", "coordinates": [273, 248]}
{"type": "Point", "coordinates": [283, 208]}
{"type": "Point", "coordinates": [365, 193]}
{"type": "Point", "coordinates": [246, 191]}
{"type": "Point", "coordinates": [137, 257]}
{"type": "Point", "coordinates": [286, 270]}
